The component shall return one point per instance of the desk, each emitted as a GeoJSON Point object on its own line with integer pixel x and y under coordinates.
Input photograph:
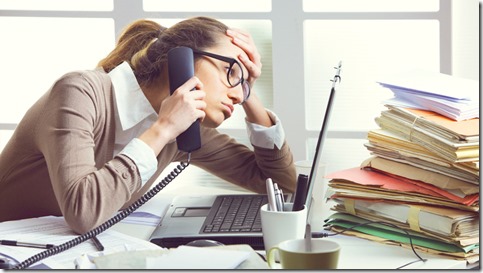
{"type": "Point", "coordinates": [355, 253]}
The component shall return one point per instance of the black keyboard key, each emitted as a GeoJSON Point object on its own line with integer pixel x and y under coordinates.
{"type": "Point", "coordinates": [235, 214]}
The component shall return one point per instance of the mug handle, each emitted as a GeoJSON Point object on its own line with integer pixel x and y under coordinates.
{"type": "Point", "coordinates": [271, 256]}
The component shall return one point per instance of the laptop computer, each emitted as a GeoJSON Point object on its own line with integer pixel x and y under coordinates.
{"type": "Point", "coordinates": [190, 218]}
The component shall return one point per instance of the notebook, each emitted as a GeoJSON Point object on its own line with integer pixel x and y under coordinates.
{"type": "Point", "coordinates": [191, 218]}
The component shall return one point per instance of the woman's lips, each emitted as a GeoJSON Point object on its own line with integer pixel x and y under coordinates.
{"type": "Point", "coordinates": [228, 109]}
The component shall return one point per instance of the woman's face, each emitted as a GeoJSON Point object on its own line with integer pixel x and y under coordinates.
{"type": "Point", "coordinates": [220, 96]}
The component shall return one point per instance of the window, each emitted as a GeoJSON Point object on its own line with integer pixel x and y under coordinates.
{"type": "Point", "coordinates": [370, 6]}
{"type": "Point", "coordinates": [207, 6]}
{"type": "Point", "coordinates": [62, 5]}
{"type": "Point", "coordinates": [39, 50]}
{"type": "Point", "coordinates": [300, 43]}
{"type": "Point", "coordinates": [401, 44]}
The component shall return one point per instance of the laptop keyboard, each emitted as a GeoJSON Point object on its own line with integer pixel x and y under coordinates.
{"type": "Point", "coordinates": [235, 214]}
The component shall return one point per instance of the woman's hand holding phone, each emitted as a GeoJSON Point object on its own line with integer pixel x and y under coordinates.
{"type": "Point", "coordinates": [183, 107]}
{"type": "Point", "coordinates": [176, 114]}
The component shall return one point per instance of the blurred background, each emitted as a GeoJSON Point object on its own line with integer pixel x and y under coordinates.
{"type": "Point", "coordinates": [300, 42]}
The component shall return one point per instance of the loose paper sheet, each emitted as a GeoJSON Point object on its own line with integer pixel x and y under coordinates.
{"type": "Point", "coordinates": [186, 257]}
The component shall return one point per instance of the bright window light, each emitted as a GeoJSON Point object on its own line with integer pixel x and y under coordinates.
{"type": "Point", "coordinates": [370, 5]}
{"type": "Point", "coordinates": [37, 51]}
{"type": "Point", "coordinates": [208, 5]}
{"type": "Point", "coordinates": [78, 5]}
{"type": "Point", "coordinates": [5, 135]}
{"type": "Point", "coordinates": [367, 49]}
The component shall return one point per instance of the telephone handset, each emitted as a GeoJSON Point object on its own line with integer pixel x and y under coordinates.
{"type": "Point", "coordinates": [181, 69]}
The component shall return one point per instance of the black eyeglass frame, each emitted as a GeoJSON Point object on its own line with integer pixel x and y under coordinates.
{"type": "Point", "coordinates": [231, 61]}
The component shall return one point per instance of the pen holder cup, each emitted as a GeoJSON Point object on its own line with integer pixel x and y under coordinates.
{"type": "Point", "coordinates": [279, 226]}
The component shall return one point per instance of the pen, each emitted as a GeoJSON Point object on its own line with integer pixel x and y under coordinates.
{"type": "Point", "coordinates": [272, 205]}
{"type": "Point", "coordinates": [282, 196]}
{"type": "Point", "coordinates": [278, 197]}
{"type": "Point", "coordinates": [97, 243]}
{"type": "Point", "coordinates": [24, 244]}
{"type": "Point", "coordinates": [300, 193]}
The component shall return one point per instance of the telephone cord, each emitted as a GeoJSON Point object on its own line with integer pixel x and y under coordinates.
{"type": "Point", "coordinates": [107, 224]}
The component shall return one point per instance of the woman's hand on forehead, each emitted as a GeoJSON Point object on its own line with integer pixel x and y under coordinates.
{"type": "Point", "coordinates": [251, 58]}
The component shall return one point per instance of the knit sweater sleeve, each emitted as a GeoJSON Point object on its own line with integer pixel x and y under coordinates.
{"type": "Point", "coordinates": [243, 166]}
{"type": "Point", "coordinates": [87, 194]}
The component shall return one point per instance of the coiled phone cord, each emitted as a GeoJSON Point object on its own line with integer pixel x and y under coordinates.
{"type": "Point", "coordinates": [115, 219]}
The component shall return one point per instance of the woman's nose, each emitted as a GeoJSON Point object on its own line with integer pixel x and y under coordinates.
{"type": "Point", "coordinates": [236, 94]}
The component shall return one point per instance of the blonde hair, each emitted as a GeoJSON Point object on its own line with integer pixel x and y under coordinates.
{"type": "Point", "coordinates": [144, 44]}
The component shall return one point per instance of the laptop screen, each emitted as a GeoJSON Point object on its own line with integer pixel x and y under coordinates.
{"type": "Point", "coordinates": [320, 143]}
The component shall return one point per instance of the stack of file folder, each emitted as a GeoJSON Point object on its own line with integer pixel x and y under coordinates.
{"type": "Point", "coordinates": [453, 141]}
{"type": "Point", "coordinates": [422, 178]}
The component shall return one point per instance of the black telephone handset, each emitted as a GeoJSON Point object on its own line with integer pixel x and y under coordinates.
{"type": "Point", "coordinates": [181, 69]}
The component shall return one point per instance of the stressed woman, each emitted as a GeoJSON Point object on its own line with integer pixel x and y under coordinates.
{"type": "Point", "coordinates": [98, 139]}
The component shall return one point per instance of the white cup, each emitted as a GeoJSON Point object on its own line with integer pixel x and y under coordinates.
{"type": "Point", "coordinates": [319, 210]}
{"type": "Point", "coordinates": [279, 226]}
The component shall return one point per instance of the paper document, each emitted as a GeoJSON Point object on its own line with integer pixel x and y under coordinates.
{"type": "Point", "coordinates": [54, 230]}
{"type": "Point", "coordinates": [183, 257]}
{"type": "Point", "coordinates": [391, 235]}
{"type": "Point", "coordinates": [362, 183]}
{"type": "Point", "coordinates": [142, 218]}
{"type": "Point", "coordinates": [453, 97]}
{"type": "Point", "coordinates": [186, 257]}
{"type": "Point", "coordinates": [457, 131]}
{"type": "Point", "coordinates": [446, 223]}
{"type": "Point", "coordinates": [451, 185]}
{"type": "Point", "coordinates": [437, 141]}
{"type": "Point", "coordinates": [389, 145]}
{"type": "Point", "coordinates": [148, 214]}
{"type": "Point", "coordinates": [434, 83]}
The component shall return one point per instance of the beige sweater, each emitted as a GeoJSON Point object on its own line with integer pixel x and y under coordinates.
{"type": "Point", "coordinates": [60, 159]}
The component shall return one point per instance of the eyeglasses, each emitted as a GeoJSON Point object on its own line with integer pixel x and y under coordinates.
{"type": "Point", "coordinates": [234, 74]}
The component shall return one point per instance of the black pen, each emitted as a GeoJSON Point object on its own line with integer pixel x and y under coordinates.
{"type": "Point", "coordinates": [300, 193]}
{"type": "Point", "coordinates": [97, 243]}
{"type": "Point", "coordinates": [24, 244]}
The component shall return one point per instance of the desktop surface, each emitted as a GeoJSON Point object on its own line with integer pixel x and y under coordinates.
{"type": "Point", "coordinates": [356, 253]}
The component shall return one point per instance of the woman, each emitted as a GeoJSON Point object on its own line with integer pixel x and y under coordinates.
{"type": "Point", "coordinates": [97, 140]}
